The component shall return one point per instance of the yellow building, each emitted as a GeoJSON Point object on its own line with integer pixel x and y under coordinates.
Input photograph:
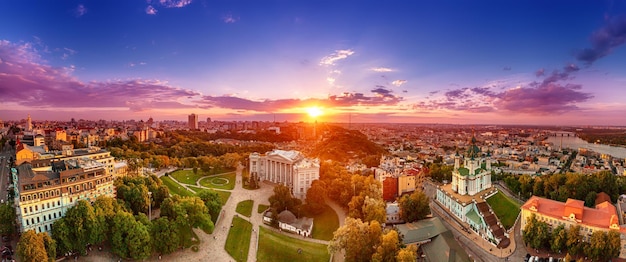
{"type": "Point", "coordinates": [573, 212]}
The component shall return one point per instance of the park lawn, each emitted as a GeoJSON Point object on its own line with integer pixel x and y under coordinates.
{"type": "Point", "coordinates": [175, 188]}
{"type": "Point", "coordinates": [245, 207]}
{"type": "Point", "coordinates": [275, 246]}
{"type": "Point", "coordinates": [206, 182]}
{"type": "Point", "coordinates": [238, 241]}
{"type": "Point", "coordinates": [187, 176]}
{"type": "Point", "coordinates": [505, 208]}
{"type": "Point", "coordinates": [262, 208]}
{"type": "Point", "coordinates": [325, 224]}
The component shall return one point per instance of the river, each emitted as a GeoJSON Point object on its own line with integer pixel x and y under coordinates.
{"type": "Point", "coordinates": [576, 142]}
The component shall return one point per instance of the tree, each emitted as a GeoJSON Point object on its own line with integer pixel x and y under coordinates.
{"type": "Point", "coordinates": [129, 238]}
{"type": "Point", "coordinates": [282, 200]}
{"type": "Point", "coordinates": [358, 239]}
{"type": "Point", "coordinates": [212, 201]}
{"type": "Point", "coordinates": [32, 247]}
{"type": "Point", "coordinates": [574, 240]}
{"type": "Point", "coordinates": [407, 254]}
{"type": "Point", "coordinates": [597, 244]}
{"type": "Point", "coordinates": [388, 248]}
{"type": "Point", "coordinates": [374, 209]}
{"type": "Point", "coordinates": [559, 239]}
{"type": "Point", "coordinates": [81, 222]}
{"type": "Point", "coordinates": [50, 246]}
{"type": "Point", "coordinates": [7, 219]}
{"type": "Point", "coordinates": [61, 235]}
{"type": "Point", "coordinates": [315, 197]}
{"type": "Point", "coordinates": [414, 207]}
{"type": "Point", "coordinates": [613, 246]}
{"type": "Point", "coordinates": [165, 236]}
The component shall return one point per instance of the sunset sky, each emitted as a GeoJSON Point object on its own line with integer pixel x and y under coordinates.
{"type": "Point", "coordinates": [483, 62]}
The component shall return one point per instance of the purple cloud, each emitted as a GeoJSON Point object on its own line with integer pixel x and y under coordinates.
{"type": "Point", "coordinates": [80, 10]}
{"type": "Point", "coordinates": [541, 72]}
{"type": "Point", "coordinates": [151, 10]}
{"type": "Point", "coordinates": [538, 98]}
{"type": "Point", "coordinates": [51, 87]}
{"type": "Point", "coordinates": [604, 40]}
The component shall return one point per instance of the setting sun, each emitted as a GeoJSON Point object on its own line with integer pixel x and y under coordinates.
{"type": "Point", "coordinates": [314, 111]}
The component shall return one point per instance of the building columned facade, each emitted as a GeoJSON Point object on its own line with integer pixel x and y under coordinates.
{"type": "Point", "coordinates": [289, 168]}
{"type": "Point", "coordinates": [573, 212]}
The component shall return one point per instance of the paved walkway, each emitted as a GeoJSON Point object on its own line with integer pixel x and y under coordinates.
{"type": "Point", "coordinates": [211, 247]}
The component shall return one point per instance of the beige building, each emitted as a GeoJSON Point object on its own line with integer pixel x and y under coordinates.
{"type": "Point", "coordinates": [289, 168]}
{"type": "Point", "coordinates": [46, 188]}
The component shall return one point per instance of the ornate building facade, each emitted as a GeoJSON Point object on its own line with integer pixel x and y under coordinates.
{"type": "Point", "coordinates": [289, 168]}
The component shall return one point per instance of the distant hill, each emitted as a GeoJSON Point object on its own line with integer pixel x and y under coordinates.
{"type": "Point", "coordinates": [340, 144]}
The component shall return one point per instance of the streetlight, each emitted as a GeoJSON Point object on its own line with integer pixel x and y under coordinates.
{"type": "Point", "coordinates": [150, 206]}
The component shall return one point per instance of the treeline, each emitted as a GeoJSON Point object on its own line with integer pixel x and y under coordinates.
{"type": "Point", "coordinates": [603, 136]}
{"type": "Point", "coordinates": [123, 225]}
{"type": "Point", "coordinates": [342, 145]}
{"type": "Point", "coordinates": [602, 246]}
{"type": "Point", "coordinates": [560, 187]}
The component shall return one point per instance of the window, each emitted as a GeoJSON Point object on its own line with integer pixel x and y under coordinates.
{"type": "Point", "coordinates": [44, 218]}
{"type": "Point", "coordinates": [36, 208]}
{"type": "Point", "coordinates": [46, 227]}
{"type": "Point", "coordinates": [58, 202]}
{"type": "Point", "coordinates": [25, 211]}
{"type": "Point", "coordinates": [30, 209]}
{"type": "Point", "coordinates": [55, 215]}
{"type": "Point", "coordinates": [27, 222]}
{"type": "Point", "coordinates": [48, 204]}
{"type": "Point", "coordinates": [37, 219]}
{"type": "Point", "coordinates": [43, 207]}
{"type": "Point", "coordinates": [49, 217]}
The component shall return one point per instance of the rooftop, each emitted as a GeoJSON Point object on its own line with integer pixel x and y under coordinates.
{"type": "Point", "coordinates": [601, 216]}
{"type": "Point", "coordinates": [464, 199]}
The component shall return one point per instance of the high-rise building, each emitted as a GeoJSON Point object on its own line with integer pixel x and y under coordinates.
{"type": "Point", "coordinates": [193, 121]}
{"type": "Point", "coordinates": [29, 123]}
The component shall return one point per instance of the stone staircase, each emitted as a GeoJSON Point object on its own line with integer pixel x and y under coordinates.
{"type": "Point", "coordinates": [492, 223]}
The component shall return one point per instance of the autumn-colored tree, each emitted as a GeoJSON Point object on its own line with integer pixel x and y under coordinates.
{"type": "Point", "coordinates": [613, 246]}
{"type": "Point", "coordinates": [574, 240]}
{"type": "Point", "coordinates": [374, 209]}
{"type": "Point", "coordinates": [407, 254]}
{"type": "Point", "coordinates": [414, 207]}
{"type": "Point", "coordinates": [558, 240]}
{"type": "Point", "coordinates": [31, 247]}
{"type": "Point", "coordinates": [388, 248]}
{"type": "Point", "coordinates": [315, 197]}
{"type": "Point", "coordinates": [357, 238]}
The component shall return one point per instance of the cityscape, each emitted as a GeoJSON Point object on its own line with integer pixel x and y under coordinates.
{"type": "Point", "coordinates": [189, 130]}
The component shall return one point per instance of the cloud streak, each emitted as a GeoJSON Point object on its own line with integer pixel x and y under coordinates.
{"type": "Point", "coordinates": [382, 69]}
{"type": "Point", "coordinates": [336, 56]}
{"type": "Point", "coordinates": [151, 10]}
{"type": "Point", "coordinates": [80, 10]}
{"type": "Point", "coordinates": [604, 40]}
{"type": "Point", "coordinates": [229, 19]}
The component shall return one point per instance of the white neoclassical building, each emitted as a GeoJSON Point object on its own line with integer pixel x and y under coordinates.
{"type": "Point", "coordinates": [289, 168]}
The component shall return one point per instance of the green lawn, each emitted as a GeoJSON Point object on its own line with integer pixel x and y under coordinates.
{"type": "Point", "coordinates": [506, 209]}
{"type": "Point", "coordinates": [245, 207]}
{"type": "Point", "coordinates": [175, 188]}
{"type": "Point", "coordinates": [262, 208]}
{"type": "Point", "coordinates": [325, 224]}
{"type": "Point", "coordinates": [282, 247]}
{"type": "Point", "coordinates": [226, 181]}
{"type": "Point", "coordinates": [187, 176]}
{"type": "Point", "coordinates": [238, 241]}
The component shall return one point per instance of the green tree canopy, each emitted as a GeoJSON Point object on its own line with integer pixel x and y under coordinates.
{"type": "Point", "coordinates": [414, 207]}
{"type": "Point", "coordinates": [7, 219]}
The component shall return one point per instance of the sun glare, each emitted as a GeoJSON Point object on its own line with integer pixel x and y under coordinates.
{"type": "Point", "coordinates": [314, 111]}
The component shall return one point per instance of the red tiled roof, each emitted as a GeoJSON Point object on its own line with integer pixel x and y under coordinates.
{"type": "Point", "coordinates": [601, 216]}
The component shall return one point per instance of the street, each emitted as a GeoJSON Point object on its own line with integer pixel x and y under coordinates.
{"type": "Point", "coordinates": [5, 155]}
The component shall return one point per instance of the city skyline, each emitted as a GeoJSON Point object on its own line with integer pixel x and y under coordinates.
{"type": "Point", "coordinates": [556, 63]}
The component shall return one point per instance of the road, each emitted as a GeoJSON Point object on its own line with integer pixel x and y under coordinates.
{"type": "Point", "coordinates": [5, 172]}
{"type": "Point", "coordinates": [471, 242]}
